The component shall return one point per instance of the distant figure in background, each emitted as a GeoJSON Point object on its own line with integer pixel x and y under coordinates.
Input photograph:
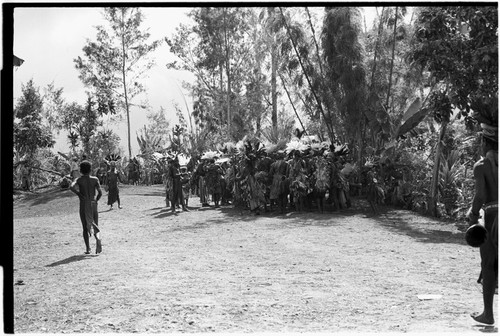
{"type": "Point", "coordinates": [101, 173]}
{"type": "Point", "coordinates": [85, 188]}
{"type": "Point", "coordinates": [486, 194]}
{"type": "Point", "coordinates": [200, 177]}
{"type": "Point", "coordinates": [186, 186]}
{"type": "Point", "coordinates": [25, 177]}
{"type": "Point", "coordinates": [75, 168]}
{"type": "Point", "coordinates": [177, 198]}
{"type": "Point", "coordinates": [112, 178]}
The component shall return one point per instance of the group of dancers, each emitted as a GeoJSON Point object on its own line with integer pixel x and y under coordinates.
{"type": "Point", "coordinates": [260, 178]}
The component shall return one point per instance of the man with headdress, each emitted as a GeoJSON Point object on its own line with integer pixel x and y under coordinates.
{"type": "Point", "coordinates": [279, 186]}
{"type": "Point", "coordinates": [298, 180]}
{"type": "Point", "coordinates": [200, 179]}
{"type": "Point", "coordinates": [112, 178]}
{"type": "Point", "coordinates": [212, 176]}
{"type": "Point", "coordinates": [186, 187]}
{"type": "Point", "coordinates": [177, 199]}
{"type": "Point", "coordinates": [486, 197]}
{"type": "Point", "coordinates": [168, 181]}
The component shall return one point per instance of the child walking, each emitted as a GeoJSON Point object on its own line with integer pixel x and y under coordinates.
{"type": "Point", "coordinates": [85, 188]}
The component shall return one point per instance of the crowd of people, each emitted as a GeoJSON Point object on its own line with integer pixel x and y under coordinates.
{"type": "Point", "coordinates": [300, 176]}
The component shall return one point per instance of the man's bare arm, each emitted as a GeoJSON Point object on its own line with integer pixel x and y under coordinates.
{"type": "Point", "coordinates": [479, 195]}
{"type": "Point", "coordinates": [99, 192]}
{"type": "Point", "coordinates": [75, 190]}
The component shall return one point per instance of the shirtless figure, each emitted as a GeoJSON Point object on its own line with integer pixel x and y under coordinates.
{"type": "Point", "coordinates": [486, 194]}
{"type": "Point", "coordinates": [85, 188]}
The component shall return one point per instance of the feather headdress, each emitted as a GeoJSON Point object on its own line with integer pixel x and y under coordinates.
{"type": "Point", "coordinates": [339, 150]}
{"type": "Point", "coordinates": [228, 148]}
{"type": "Point", "coordinates": [183, 160]}
{"type": "Point", "coordinates": [274, 148]}
{"type": "Point", "coordinates": [112, 158]}
{"type": "Point", "coordinates": [294, 146]}
{"type": "Point", "coordinates": [209, 155]}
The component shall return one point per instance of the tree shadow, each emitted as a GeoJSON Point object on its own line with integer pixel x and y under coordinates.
{"type": "Point", "coordinates": [49, 196]}
{"type": "Point", "coordinates": [72, 259]}
{"type": "Point", "coordinates": [423, 229]}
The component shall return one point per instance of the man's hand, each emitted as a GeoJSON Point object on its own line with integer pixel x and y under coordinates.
{"type": "Point", "coordinates": [473, 217]}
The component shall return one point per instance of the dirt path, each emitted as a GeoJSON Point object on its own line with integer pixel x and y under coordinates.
{"type": "Point", "coordinates": [222, 270]}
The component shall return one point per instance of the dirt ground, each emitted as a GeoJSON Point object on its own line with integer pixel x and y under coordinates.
{"type": "Point", "coordinates": [224, 270]}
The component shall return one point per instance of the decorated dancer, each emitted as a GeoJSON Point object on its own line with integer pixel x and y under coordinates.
{"type": "Point", "coordinates": [297, 176]}
{"type": "Point", "coordinates": [321, 177]}
{"type": "Point", "coordinates": [252, 191]}
{"type": "Point", "coordinates": [85, 188]}
{"type": "Point", "coordinates": [176, 198]}
{"type": "Point", "coordinates": [212, 175]}
{"type": "Point", "coordinates": [167, 180]}
{"type": "Point", "coordinates": [280, 184]}
{"type": "Point", "coordinates": [486, 195]}
{"type": "Point", "coordinates": [186, 186]}
{"type": "Point", "coordinates": [201, 176]}
{"type": "Point", "coordinates": [112, 179]}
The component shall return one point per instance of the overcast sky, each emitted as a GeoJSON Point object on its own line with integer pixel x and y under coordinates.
{"type": "Point", "coordinates": [48, 39]}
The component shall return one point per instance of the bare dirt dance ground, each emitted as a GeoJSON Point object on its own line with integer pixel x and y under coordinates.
{"type": "Point", "coordinates": [224, 270]}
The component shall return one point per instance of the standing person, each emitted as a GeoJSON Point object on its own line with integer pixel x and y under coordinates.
{"type": "Point", "coordinates": [167, 181]}
{"type": "Point", "coordinates": [279, 186]}
{"type": "Point", "coordinates": [199, 175]}
{"type": "Point", "coordinates": [177, 198]}
{"type": "Point", "coordinates": [25, 177]}
{"type": "Point", "coordinates": [486, 195]}
{"type": "Point", "coordinates": [85, 188]}
{"type": "Point", "coordinates": [75, 169]}
{"type": "Point", "coordinates": [101, 173]}
{"type": "Point", "coordinates": [212, 178]}
{"type": "Point", "coordinates": [186, 187]}
{"type": "Point", "coordinates": [112, 178]}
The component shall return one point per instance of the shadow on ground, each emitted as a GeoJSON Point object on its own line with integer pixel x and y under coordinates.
{"type": "Point", "coordinates": [46, 196]}
{"type": "Point", "coordinates": [421, 228]}
{"type": "Point", "coordinates": [72, 259]}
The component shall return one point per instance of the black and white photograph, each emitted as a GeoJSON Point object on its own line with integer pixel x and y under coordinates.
{"type": "Point", "coordinates": [250, 167]}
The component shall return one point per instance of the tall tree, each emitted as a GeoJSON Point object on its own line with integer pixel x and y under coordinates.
{"type": "Point", "coordinates": [458, 46]}
{"type": "Point", "coordinates": [115, 63]}
{"type": "Point", "coordinates": [30, 134]}
{"type": "Point", "coordinates": [217, 48]}
{"type": "Point", "coordinates": [53, 107]}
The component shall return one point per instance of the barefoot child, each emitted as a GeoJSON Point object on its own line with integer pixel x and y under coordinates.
{"type": "Point", "coordinates": [85, 188]}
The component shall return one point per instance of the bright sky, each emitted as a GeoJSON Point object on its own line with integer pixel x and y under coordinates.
{"type": "Point", "coordinates": [48, 39]}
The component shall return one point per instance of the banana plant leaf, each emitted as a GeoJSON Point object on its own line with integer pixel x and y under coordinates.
{"type": "Point", "coordinates": [412, 117]}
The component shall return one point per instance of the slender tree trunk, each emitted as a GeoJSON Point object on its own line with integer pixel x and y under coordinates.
{"type": "Point", "coordinates": [330, 130]}
{"type": "Point", "coordinates": [362, 132]}
{"type": "Point", "coordinates": [228, 97]}
{"type": "Point", "coordinates": [375, 52]}
{"type": "Point", "coordinates": [221, 101]}
{"type": "Point", "coordinates": [315, 42]}
{"type": "Point", "coordinates": [432, 209]}
{"type": "Point", "coordinates": [291, 102]}
{"type": "Point", "coordinates": [124, 79]}
{"type": "Point", "coordinates": [274, 66]}
{"type": "Point", "coordinates": [392, 59]}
